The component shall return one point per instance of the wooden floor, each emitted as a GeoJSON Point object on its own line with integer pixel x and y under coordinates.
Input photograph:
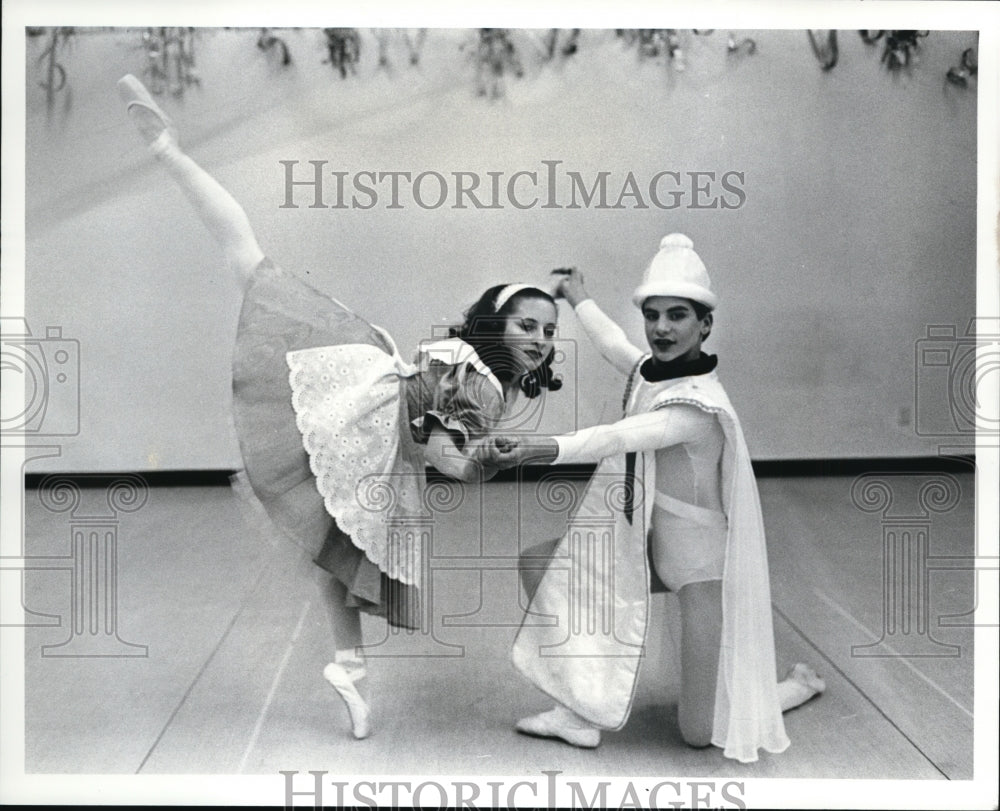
{"type": "Point", "coordinates": [229, 681]}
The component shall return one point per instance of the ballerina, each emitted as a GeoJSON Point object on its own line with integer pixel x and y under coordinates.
{"type": "Point", "coordinates": [328, 414]}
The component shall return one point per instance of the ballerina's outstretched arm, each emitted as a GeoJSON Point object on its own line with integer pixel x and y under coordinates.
{"type": "Point", "coordinates": [223, 216]}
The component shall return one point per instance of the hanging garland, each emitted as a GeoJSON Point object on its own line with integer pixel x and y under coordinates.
{"type": "Point", "coordinates": [170, 52]}
{"type": "Point", "coordinates": [343, 47]}
{"type": "Point", "coordinates": [268, 42]}
{"type": "Point", "coordinates": [745, 45]}
{"type": "Point", "coordinates": [495, 56]}
{"type": "Point", "coordinates": [170, 60]}
{"type": "Point", "coordinates": [651, 43]}
{"type": "Point", "coordinates": [55, 74]}
{"type": "Point", "coordinates": [967, 68]}
{"type": "Point", "coordinates": [899, 46]}
{"type": "Point", "coordinates": [826, 51]}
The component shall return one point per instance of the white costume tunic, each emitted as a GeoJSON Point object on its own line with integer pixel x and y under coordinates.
{"type": "Point", "coordinates": [598, 581]}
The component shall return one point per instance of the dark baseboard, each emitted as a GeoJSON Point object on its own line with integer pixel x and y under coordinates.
{"type": "Point", "coordinates": [151, 478]}
{"type": "Point", "coordinates": [766, 468]}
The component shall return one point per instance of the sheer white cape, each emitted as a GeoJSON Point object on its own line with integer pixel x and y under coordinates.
{"type": "Point", "coordinates": [597, 588]}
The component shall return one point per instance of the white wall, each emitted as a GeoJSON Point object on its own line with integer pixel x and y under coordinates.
{"type": "Point", "coordinates": [858, 229]}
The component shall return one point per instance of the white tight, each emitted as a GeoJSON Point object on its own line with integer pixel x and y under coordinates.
{"type": "Point", "coordinates": [346, 620]}
{"type": "Point", "coordinates": [218, 210]}
{"type": "Point", "coordinates": [701, 635]}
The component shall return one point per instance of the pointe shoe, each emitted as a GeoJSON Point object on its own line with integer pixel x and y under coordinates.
{"type": "Point", "coordinates": [356, 705]}
{"type": "Point", "coordinates": [561, 723]}
{"type": "Point", "coordinates": [152, 122]}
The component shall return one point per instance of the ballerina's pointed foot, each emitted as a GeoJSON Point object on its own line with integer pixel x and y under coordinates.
{"type": "Point", "coordinates": [808, 678]}
{"type": "Point", "coordinates": [356, 705]}
{"type": "Point", "coordinates": [152, 123]}
{"type": "Point", "coordinates": [561, 723]}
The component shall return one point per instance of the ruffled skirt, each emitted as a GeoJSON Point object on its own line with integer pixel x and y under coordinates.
{"type": "Point", "coordinates": [322, 423]}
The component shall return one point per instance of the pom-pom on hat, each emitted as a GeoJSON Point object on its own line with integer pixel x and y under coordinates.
{"type": "Point", "coordinates": [676, 270]}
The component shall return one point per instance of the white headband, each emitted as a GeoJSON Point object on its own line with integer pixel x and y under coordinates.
{"type": "Point", "coordinates": [511, 290]}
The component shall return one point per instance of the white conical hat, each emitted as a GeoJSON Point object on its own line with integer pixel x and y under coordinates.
{"type": "Point", "coordinates": [676, 270]}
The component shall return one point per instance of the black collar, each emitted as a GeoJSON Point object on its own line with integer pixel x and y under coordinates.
{"type": "Point", "coordinates": [653, 372]}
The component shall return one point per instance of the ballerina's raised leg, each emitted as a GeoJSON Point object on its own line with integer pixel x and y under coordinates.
{"type": "Point", "coordinates": [230, 227]}
{"type": "Point", "coordinates": [222, 215]}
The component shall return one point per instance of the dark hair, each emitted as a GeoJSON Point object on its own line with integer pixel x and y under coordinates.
{"type": "Point", "coordinates": [700, 310]}
{"type": "Point", "coordinates": [483, 330]}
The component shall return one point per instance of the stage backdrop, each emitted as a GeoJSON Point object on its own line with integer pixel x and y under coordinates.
{"type": "Point", "coordinates": [844, 229]}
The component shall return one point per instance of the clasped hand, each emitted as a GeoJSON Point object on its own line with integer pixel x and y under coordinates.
{"type": "Point", "coordinates": [569, 285]}
{"type": "Point", "coordinates": [503, 452]}
{"type": "Point", "coordinates": [506, 451]}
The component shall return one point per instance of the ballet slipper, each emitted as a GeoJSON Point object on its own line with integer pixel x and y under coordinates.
{"type": "Point", "coordinates": [561, 723]}
{"type": "Point", "coordinates": [801, 684]}
{"type": "Point", "coordinates": [343, 683]}
{"type": "Point", "coordinates": [153, 124]}
{"type": "Point", "coordinates": [808, 678]}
